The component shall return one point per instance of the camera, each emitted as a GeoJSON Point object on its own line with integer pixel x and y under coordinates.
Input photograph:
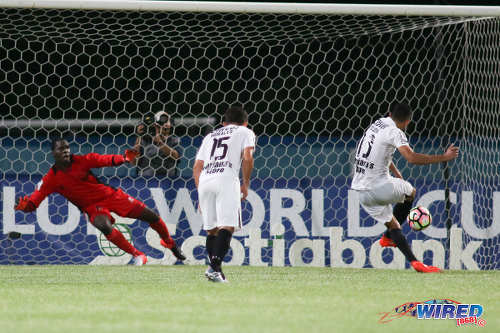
{"type": "Point", "coordinates": [148, 121]}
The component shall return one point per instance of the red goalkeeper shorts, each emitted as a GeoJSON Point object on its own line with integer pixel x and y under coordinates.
{"type": "Point", "coordinates": [119, 203]}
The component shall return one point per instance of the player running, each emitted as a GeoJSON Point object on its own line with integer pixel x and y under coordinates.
{"type": "Point", "coordinates": [216, 175]}
{"type": "Point", "coordinates": [71, 177]}
{"type": "Point", "coordinates": [378, 190]}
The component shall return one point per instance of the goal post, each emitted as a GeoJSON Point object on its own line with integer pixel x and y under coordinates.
{"type": "Point", "coordinates": [311, 76]}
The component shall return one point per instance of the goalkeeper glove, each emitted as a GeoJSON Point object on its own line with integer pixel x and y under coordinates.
{"type": "Point", "coordinates": [25, 204]}
{"type": "Point", "coordinates": [130, 155]}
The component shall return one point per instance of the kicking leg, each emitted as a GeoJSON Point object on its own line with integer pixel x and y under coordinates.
{"type": "Point", "coordinates": [401, 209]}
{"type": "Point", "coordinates": [400, 241]}
{"type": "Point", "coordinates": [397, 237]}
{"type": "Point", "coordinates": [400, 212]}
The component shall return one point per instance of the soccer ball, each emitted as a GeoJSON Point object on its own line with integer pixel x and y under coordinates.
{"type": "Point", "coordinates": [419, 218]}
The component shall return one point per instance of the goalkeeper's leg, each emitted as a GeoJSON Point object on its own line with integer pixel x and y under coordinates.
{"type": "Point", "coordinates": [103, 223]}
{"type": "Point", "coordinates": [157, 223]}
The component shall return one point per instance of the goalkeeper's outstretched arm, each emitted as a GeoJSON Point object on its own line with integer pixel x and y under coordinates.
{"type": "Point", "coordinates": [95, 160]}
{"type": "Point", "coordinates": [30, 203]}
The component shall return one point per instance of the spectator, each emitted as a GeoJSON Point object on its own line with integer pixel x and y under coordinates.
{"type": "Point", "coordinates": [159, 150]}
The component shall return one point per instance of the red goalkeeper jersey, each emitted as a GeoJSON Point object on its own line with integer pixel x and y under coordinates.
{"type": "Point", "coordinates": [77, 183]}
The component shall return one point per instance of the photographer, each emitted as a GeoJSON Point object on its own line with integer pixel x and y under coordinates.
{"type": "Point", "coordinates": [159, 151]}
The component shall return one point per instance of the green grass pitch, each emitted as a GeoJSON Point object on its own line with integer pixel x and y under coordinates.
{"type": "Point", "coordinates": [257, 299]}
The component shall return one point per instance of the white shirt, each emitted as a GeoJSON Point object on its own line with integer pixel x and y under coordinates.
{"type": "Point", "coordinates": [374, 153]}
{"type": "Point", "coordinates": [222, 151]}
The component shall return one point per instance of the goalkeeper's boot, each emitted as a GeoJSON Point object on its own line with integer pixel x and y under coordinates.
{"type": "Point", "coordinates": [423, 268]}
{"type": "Point", "coordinates": [173, 247]}
{"type": "Point", "coordinates": [139, 259]}
{"type": "Point", "coordinates": [386, 241]}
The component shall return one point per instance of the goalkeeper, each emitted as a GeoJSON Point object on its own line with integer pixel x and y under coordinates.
{"type": "Point", "coordinates": [71, 177]}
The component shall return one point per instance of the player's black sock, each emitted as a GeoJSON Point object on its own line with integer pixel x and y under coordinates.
{"type": "Point", "coordinates": [220, 249]}
{"type": "Point", "coordinates": [210, 244]}
{"type": "Point", "coordinates": [402, 244]}
{"type": "Point", "coordinates": [215, 263]}
{"type": "Point", "coordinates": [387, 233]}
{"type": "Point", "coordinates": [222, 243]}
{"type": "Point", "coordinates": [401, 211]}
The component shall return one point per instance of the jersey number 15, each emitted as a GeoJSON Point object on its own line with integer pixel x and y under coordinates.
{"type": "Point", "coordinates": [219, 143]}
{"type": "Point", "coordinates": [369, 149]}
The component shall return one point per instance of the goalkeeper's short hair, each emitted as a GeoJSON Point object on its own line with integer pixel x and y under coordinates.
{"type": "Point", "coordinates": [54, 142]}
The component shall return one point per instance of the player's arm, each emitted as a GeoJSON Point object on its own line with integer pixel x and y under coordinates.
{"type": "Point", "coordinates": [30, 203]}
{"type": "Point", "coordinates": [246, 170]}
{"type": "Point", "coordinates": [197, 168]}
{"type": "Point", "coordinates": [395, 171]}
{"type": "Point", "coordinates": [166, 149]}
{"type": "Point", "coordinates": [417, 158]}
{"type": "Point", "coordinates": [137, 145]}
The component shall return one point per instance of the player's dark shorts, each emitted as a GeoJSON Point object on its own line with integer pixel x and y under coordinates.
{"type": "Point", "coordinates": [119, 203]}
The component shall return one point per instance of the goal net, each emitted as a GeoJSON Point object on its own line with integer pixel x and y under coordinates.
{"type": "Point", "coordinates": [312, 79]}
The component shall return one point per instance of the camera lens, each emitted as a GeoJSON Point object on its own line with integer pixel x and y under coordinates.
{"type": "Point", "coordinates": [163, 120]}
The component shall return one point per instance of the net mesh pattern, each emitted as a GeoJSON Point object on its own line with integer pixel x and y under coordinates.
{"type": "Point", "coordinates": [311, 83]}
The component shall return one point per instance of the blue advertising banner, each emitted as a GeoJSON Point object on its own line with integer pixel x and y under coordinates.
{"type": "Point", "coordinates": [297, 222]}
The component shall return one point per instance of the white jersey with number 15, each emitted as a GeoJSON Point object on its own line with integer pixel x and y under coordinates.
{"type": "Point", "coordinates": [221, 151]}
{"type": "Point", "coordinates": [374, 153]}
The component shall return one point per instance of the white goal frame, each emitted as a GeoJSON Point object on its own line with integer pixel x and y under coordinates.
{"type": "Point", "coordinates": [260, 7]}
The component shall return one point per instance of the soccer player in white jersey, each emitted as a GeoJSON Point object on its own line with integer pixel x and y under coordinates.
{"type": "Point", "coordinates": [216, 175]}
{"type": "Point", "coordinates": [378, 190]}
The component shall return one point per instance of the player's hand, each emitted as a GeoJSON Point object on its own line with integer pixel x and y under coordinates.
{"type": "Point", "coordinates": [244, 192]}
{"type": "Point", "coordinates": [130, 155]}
{"type": "Point", "coordinates": [451, 153]}
{"type": "Point", "coordinates": [158, 140]}
{"type": "Point", "coordinates": [140, 129]}
{"type": "Point", "coordinates": [24, 204]}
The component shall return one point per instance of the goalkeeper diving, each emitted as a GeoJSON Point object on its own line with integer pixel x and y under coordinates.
{"type": "Point", "coordinates": [71, 177]}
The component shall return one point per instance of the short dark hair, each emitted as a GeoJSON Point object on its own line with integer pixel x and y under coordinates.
{"type": "Point", "coordinates": [400, 112]}
{"type": "Point", "coordinates": [55, 141]}
{"type": "Point", "coordinates": [235, 115]}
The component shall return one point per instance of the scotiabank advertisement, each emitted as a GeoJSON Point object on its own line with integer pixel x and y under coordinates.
{"type": "Point", "coordinates": [287, 222]}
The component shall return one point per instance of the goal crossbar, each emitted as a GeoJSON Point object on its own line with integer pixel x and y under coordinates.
{"type": "Point", "coordinates": [259, 7]}
{"type": "Point", "coordinates": [83, 123]}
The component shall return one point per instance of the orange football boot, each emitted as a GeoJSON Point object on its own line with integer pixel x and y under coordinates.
{"type": "Point", "coordinates": [423, 268]}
